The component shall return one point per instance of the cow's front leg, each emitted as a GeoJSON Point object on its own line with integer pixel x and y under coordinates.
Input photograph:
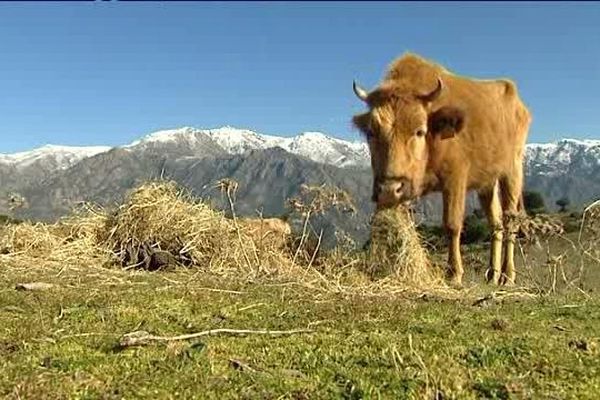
{"type": "Point", "coordinates": [512, 186]}
{"type": "Point", "coordinates": [490, 202]}
{"type": "Point", "coordinates": [454, 211]}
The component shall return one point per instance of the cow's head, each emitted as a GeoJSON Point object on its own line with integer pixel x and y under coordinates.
{"type": "Point", "coordinates": [400, 128]}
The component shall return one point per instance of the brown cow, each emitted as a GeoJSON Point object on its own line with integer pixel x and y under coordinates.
{"type": "Point", "coordinates": [431, 130]}
{"type": "Point", "coordinates": [273, 231]}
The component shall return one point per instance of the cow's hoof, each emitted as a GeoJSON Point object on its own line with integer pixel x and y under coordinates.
{"type": "Point", "coordinates": [507, 280]}
{"type": "Point", "coordinates": [455, 282]}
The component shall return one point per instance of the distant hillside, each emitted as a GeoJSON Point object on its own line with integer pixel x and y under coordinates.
{"type": "Point", "coordinates": [270, 169]}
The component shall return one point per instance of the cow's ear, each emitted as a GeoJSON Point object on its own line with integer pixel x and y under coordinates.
{"type": "Point", "coordinates": [446, 122]}
{"type": "Point", "coordinates": [363, 123]}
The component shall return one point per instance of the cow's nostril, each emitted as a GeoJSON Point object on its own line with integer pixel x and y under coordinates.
{"type": "Point", "coordinates": [398, 189]}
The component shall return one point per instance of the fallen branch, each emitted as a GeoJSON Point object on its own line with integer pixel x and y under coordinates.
{"type": "Point", "coordinates": [144, 338]}
{"type": "Point", "coordinates": [33, 286]}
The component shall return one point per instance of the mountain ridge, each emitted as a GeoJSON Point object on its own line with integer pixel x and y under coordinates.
{"type": "Point", "coordinates": [270, 169]}
{"type": "Point", "coordinates": [317, 146]}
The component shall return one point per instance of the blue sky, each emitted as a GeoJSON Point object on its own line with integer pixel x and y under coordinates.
{"type": "Point", "coordinates": [109, 72]}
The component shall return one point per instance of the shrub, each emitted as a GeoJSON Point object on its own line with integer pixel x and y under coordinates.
{"type": "Point", "coordinates": [563, 203]}
{"type": "Point", "coordinates": [475, 230]}
{"type": "Point", "coordinates": [533, 202]}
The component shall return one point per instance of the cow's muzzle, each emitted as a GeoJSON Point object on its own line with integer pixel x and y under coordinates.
{"type": "Point", "coordinates": [391, 192]}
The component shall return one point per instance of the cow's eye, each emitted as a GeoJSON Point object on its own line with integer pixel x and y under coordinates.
{"type": "Point", "coordinates": [420, 132]}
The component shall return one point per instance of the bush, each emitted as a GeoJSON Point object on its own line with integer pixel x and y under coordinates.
{"type": "Point", "coordinates": [7, 220]}
{"type": "Point", "coordinates": [563, 203]}
{"type": "Point", "coordinates": [533, 202]}
{"type": "Point", "coordinates": [432, 235]}
{"type": "Point", "coordinates": [475, 230]}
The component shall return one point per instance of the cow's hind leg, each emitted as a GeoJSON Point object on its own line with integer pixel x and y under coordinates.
{"type": "Point", "coordinates": [454, 212]}
{"type": "Point", "coordinates": [490, 202]}
{"type": "Point", "coordinates": [510, 187]}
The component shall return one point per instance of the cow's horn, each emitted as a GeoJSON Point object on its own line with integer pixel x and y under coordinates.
{"type": "Point", "coordinates": [360, 92]}
{"type": "Point", "coordinates": [436, 92]}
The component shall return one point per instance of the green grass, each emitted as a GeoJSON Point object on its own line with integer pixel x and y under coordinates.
{"type": "Point", "coordinates": [63, 342]}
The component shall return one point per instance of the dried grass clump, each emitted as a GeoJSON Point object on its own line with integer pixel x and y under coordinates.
{"type": "Point", "coordinates": [589, 234]}
{"type": "Point", "coordinates": [267, 232]}
{"type": "Point", "coordinates": [158, 224]}
{"type": "Point", "coordinates": [30, 238]}
{"type": "Point", "coordinates": [72, 239]}
{"type": "Point", "coordinates": [396, 251]}
{"type": "Point", "coordinates": [590, 224]}
{"type": "Point", "coordinates": [541, 226]}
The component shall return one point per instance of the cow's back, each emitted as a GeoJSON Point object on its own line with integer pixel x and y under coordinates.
{"type": "Point", "coordinates": [495, 131]}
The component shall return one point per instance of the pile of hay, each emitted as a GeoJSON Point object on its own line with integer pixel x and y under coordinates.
{"type": "Point", "coordinates": [72, 240]}
{"type": "Point", "coordinates": [159, 225]}
{"type": "Point", "coordinates": [396, 251]}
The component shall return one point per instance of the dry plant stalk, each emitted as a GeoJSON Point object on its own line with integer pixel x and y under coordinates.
{"type": "Point", "coordinates": [317, 200]}
{"type": "Point", "coordinates": [550, 231]}
{"type": "Point", "coordinates": [589, 233]}
{"type": "Point", "coordinates": [143, 338]}
{"type": "Point", "coordinates": [229, 187]}
{"type": "Point", "coordinates": [541, 226]}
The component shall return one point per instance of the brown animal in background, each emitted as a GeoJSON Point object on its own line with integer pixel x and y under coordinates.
{"type": "Point", "coordinates": [274, 231]}
{"type": "Point", "coordinates": [431, 130]}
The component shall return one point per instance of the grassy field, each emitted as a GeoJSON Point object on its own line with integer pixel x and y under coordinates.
{"type": "Point", "coordinates": [249, 319]}
{"type": "Point", "coordinates": [64, 341]}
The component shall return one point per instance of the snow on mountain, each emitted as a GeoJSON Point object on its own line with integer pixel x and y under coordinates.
{"type": "Point", "coordinates": [324, 149]}
{"type": "Point", "coordinates": [238, 141]}
{"type": "Point", "coordinates": [61, 156]}
{"type": "Point", "coordinates": [548, 159]}
{"type": "Point", "coordinates": [313, 145]}
{"type": "Point", "coordinates": [167, 136]}
{"type": "Point", "coordinates": [552, 159]}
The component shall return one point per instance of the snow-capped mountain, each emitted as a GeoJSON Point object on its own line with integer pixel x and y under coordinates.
{"type": "Point", "coordinates": [270, 169]}
{"type": "Point", "coordinates": [315, 146]}
{"type": "Point", "coordinates": [545, 159]}
{"type": "Point", "coordinates": [548, 159]}
{"type": "Point", "coordinates": [558, 158]}
{"type": "Point", "coordinates": [60, 157]}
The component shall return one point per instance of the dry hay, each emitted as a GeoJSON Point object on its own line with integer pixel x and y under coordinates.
{"type": "Point", "coordinates": [589, 234]}
{"type": "Point", "coordinates": [71, 240]}
{"type": "Point", "coordinates": [590, 223]}
{"type": "Point", "coordinates": [396, 251]}
{"type": "Point", "coordinates": [271, 231]}
{"type": "Point", "coordinates": [541, 226]}
{"type": "Point", "coordinates": [159, 225]}
{"type": "Point", "coordinates": [157, 218]}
